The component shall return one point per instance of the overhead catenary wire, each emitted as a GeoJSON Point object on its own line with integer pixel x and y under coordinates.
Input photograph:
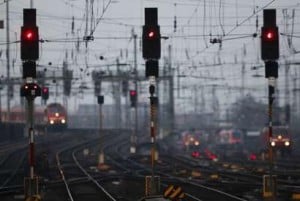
{"type": "Point", "coordinates": [237, 26]}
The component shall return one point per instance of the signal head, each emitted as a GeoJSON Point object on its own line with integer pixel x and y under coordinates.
{"type": "Point", "coordinates": [45, 93]}
{"type": "Point", "coordinates": [45, 89]}
{"type": "Point", "coordinates": [29, 43]}
{"type": "Point", "coordinates": [269, 43]}
{"type": "Point", "coordinates": [132, 92]}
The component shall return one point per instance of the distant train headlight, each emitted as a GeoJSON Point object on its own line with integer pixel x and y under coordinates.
{"type": "Point", "coordinates": [51, 121]}
{"type": "Point", "coordinates": [287, 143]}
{"type": "Point", "coordinates": [56, 114]}
{"type": "Point", "coordinates": [273, 144]}
{"type": "Point", "coordinates": [63, 121]}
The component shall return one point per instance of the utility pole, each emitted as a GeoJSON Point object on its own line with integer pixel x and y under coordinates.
{"type": "Point", "coordinates": [134, 137]}
{"type": "Point", "coordinates": [8, 60]}
{"type": "Point", "coordinates": [65, 69]}
{"type": "Point", "coordinates": [86, 20]}
{"type": "Point", "coordinates": [297, 91]}
{"type": "Point", "coordinates": [196, 100]}
{"type": "Point", "coordinates": [171, 92]}
{"type": "Point", "coordinates": [101, 157]}
{"type": "Point", "coordinates": [118, 98]}
{"type": "Point", "coordinates": [0, 102]}
{"type": "Point", "coordinates": [178, 81]}
{"type": "Point", "coordinates": [287, 94]}
{"type": "Point", "coordinates": [243, 71]}
{"type": "Point", "coordinates": [295, 98]}
{"type": "Point", "coordinates": [202, 100]}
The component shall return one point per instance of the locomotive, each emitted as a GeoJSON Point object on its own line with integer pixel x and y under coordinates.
{"type": "Point", "coordinates": [56, 116]}
{"type": "Point", "coordinates": [281, 139]}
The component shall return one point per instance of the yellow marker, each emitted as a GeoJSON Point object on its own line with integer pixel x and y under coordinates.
{"type": "Point", "coordinates": [214, 176]}
{"type": "Point", "coordinates": [175, 193]}
{"type": "Point", "coordinates": [33, 198]}
{"type": "Point", "coordinates": [181, 196]}
{"type": "Point", "coordinates": [296, 196]}
{"type": "Point", "coordinates": [168, 190]}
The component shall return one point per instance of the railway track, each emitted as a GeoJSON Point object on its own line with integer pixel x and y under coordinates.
{"type": "Point", "coordinates": [78, 177]}
{"type": "Point", "coordinates": [139, 167]}
{"type": "Point", "coordinates": [71, 171]}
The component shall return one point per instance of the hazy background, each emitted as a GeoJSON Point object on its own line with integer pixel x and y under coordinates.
{"type": "Point", "coordinates": [202, 66]}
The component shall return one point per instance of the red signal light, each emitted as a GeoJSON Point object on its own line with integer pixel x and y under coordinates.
{"type": "Point", "coordinates": [269, 35]}
{"type": "Point", "coordinates": [151, 34]}
{"type": "Point", "coordinates": [132, 93]}
{"type": "Point", "coordinates": [252, 157]}
{"type": "Point", "coordinates": [29, 35]}
{"type": "Point", "coordinates": [45, 89]}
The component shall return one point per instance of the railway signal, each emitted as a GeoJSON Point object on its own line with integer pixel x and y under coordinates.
{"type": "Point", "coordinates": [100, 99]}
{"type": "Point", "coordinates": [29, 36]}
{"type": "Point", "coordinates": [151, 35]}
{"type": "Point", "coordinates": [133, 98]}
{"type": "Point", "coordinates": [30, 90]}
{"type": "Point", "coordinates": [29, 69]}
{"type": "Point", "coordinates": [269, 36]}
{"type": "Point", "coordinates": [270, 54]}
{"type": "Point", "coordinates": [151, 53]}
{"type": "Point", "coordinates": [45, 93]}
{"type": "Point", "coordinates": [152, 68]}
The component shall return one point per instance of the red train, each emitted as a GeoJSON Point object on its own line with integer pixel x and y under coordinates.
{"type": "Point", "coordinates": [229, 143]}
{"type": "Point", "coordinates": [56, 116]}
{"type": "Point", "coordinates": [229, 137]}
{"type": "Point", "coordinates": [53, 115]}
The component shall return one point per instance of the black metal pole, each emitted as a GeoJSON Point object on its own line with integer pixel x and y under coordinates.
{"type": "Point", "coordinates": [271, 152]}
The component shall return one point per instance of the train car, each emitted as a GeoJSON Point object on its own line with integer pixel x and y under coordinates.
{"type": "Point", "coordinates": [229, 137]}
{"type": "Point", "coordinates": [18, 115]}
{"type": "Point", "coordinates": [229, 143]}
{"type": "Point", "coordinates": [56, 115]}
{"type": "Point", "coordinates": [281, 139]}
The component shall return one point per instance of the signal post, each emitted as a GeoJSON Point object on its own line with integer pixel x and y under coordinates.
{"type": "Point", "coordinates": [151, 53]}
{"type": "Point", "coordinates": [133, 105]}
{"type": "Point", "coordinates": [30, 90]}
{"type": "Point", "coordinates": [100, 99]}
{"type": "Point", "coordinates": [270, 55]}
